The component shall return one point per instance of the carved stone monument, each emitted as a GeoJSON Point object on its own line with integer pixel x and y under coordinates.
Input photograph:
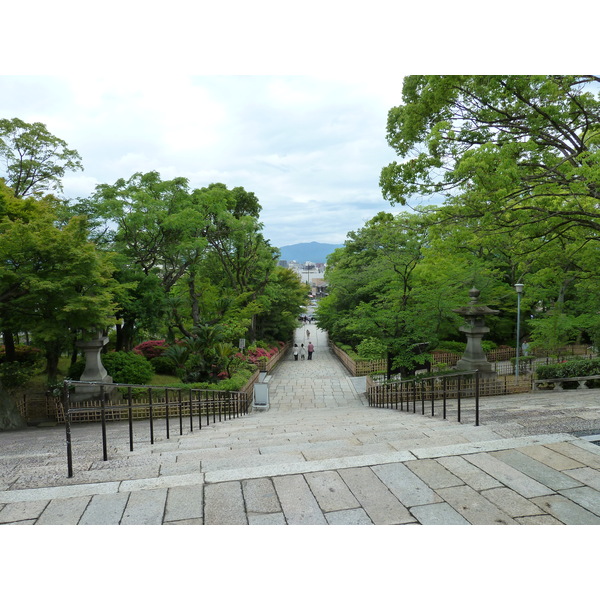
{"type": "Point", "coordinates": [474, 358]}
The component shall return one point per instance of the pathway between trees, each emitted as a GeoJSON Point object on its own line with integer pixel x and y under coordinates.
{"type": "Point", "coordinates": [322, 382]}
{"type": "Point", "coordinates": [319, 455]}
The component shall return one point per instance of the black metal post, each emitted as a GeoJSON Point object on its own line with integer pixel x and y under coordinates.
{"type": "Point", "coordinates": [130, 416]}
{"type": "Point", "coordinates": [422, 396]}
{"type": "Point", "coordinates": [180, 400]}
{"type": "Point", "coordinates": [103, 419]}
{"type": "Point", "coordinates": [67, 415]}
{"type": "Point", "coordinates": [167, 411]}
{"type": "Point", "coordinates": [445, 394]}
{"type": "Point", "coordinates": [151, 415]}
{"type": "Point", "coordinates": [477, 397]}
{"type": "Point", "coordinates": [207, 410]}
{"type": "Point", "coordinates": [191, 411]}
{"type": "Point", "coordinates": [458, 393]}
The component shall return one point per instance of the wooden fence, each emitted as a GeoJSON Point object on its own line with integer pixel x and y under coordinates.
{"type": "Point", "coordinates": [48, 407]}
{"type": "Point", "coordinates": [358, 367]}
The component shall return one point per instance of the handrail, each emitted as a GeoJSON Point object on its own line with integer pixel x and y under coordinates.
{"type": "Point", "coordinates": [395, 394]}
{"type": "Point", "coordinates": [227, 404]}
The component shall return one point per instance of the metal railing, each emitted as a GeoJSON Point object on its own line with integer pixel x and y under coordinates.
{"type": "Point", "coordinates": [152, 403]}
{"type": "Point", "coordinates": [428, 390]}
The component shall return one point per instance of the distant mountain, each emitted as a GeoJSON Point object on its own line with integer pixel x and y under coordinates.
{"type": "Point", "coordinates": [309, 252]}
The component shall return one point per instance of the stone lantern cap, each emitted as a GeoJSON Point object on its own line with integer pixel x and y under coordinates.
{"type": "Point", "coordinates": [474, 309]}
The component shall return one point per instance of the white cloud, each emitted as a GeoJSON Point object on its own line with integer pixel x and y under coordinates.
{"type": "Point", "coordinates": [311, 149]}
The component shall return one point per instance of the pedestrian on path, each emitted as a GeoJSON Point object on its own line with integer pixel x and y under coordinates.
{"type": "Point", "coordinates": [310, 349]}
{"type": "Point", "coordinates": [307, 333]}
{"type": "Point", "coordinates": [295, 351]}
{"type": "Point", "coordinates": [302, 352]}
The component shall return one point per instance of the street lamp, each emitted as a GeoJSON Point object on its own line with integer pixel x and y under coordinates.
{"type": "Point", "coordinates": [519, 288]}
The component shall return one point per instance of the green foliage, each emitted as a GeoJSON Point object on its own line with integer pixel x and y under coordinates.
{"type": "Point", "coordinates": [163, 365]}
{"type": "Point", "coordinates": [15, 374]}
{"type": "Point", "coordinates": [571, 368]}
{"type": "Point", "coordinates": [24, 354]}
{"type": "Point", "coordinates": [123, 367]}
{"type": "Point", "coordinates": [75, 370]}
{"type": "Point", "coordinates": [128, 367]}
{"type": "Point", "coordinates": [371, 349]}
{"type": "Point", "coordinates": [35, 159]}
{"type": "Point", "coordinates": [557, 329]}
{"type": "Point", "coordinates": [449, 346]}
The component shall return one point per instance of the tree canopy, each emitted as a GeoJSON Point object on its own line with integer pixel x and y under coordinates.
{"type": "Point", "coordinates": [512, 151]}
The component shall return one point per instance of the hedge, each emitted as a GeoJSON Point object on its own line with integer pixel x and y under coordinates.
{"type": "Point", "coordinates": [571, 368]}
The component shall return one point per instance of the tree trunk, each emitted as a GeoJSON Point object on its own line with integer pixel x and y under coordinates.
{"type": "Point", "coordinates": [119, 340]}
{"type": "Point", "coordinates": [52, 356]}
{"type": "Point", "coordinates": [194, 301]}
{"type": "Point", "coordinates": [9, 346]}
{"type": "Point", "coordinates": [10, 417]}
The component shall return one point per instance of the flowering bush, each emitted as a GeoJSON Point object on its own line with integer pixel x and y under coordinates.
{"type": "Point", "coordinates": [257, 355]}
{"type": "Point", "coordinates": [151, 349]}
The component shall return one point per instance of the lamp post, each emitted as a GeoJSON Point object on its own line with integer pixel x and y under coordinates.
{"type": "Point", "coordinates": [519, 288]}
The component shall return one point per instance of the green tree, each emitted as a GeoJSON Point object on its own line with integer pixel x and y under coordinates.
{"type": "Point", "coordinates": [34, 159]}
{"type": "Point", "coordinates": [371, 285]}
{"type": "Point", "coordinates": [160, 237]}
{"type": "Point", "coordinates": [53, 282]}
{"type": "Point", "coordinates": [508, 150]}
{"type": "Point", "coordinates": [245, 260]}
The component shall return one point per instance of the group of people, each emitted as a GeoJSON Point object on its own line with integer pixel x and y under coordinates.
{"type": "Point", "coordinates": [302, 351]}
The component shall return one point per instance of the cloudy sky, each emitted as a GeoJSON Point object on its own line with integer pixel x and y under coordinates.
{"type": "Point", "coordinates": [311, 148]}
{"type": "Point", "coordinates": [288, 103]}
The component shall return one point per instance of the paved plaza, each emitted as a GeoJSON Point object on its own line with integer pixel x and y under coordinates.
{"type": "Point", "coordinates": [320, 456]}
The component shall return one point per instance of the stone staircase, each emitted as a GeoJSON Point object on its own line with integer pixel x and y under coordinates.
{"type": "Point", "coordinates": [306, 439]}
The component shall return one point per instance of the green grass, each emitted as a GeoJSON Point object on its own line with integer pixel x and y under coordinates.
{"type": "Point", "coordinates": [165, 380]}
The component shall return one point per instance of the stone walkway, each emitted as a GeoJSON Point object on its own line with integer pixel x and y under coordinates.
{"type": "Point", "coordinates": [320, 455]}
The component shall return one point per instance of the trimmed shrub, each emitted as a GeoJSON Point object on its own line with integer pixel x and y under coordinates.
{"type": "Point", "coordinates": [123, 367]}
{"type": "Point", "coordinates": [571, 368]}
{"type": "Point", "coordinates": [128, 367]}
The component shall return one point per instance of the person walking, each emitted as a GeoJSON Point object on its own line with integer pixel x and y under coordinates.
{"type": "Point", "coordinates": [310, 349]}
{"type": "Point", "coordinates": [302, 352]}
{"type": "Point", "coordinates": [295, 351]}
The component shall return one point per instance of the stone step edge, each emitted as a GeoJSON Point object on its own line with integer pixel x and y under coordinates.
{"type": "Point", "coordinates": [196, 478]}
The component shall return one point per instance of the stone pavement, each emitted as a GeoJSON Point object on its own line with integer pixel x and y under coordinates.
{"type": "Point", "coordinates": [320, 455]}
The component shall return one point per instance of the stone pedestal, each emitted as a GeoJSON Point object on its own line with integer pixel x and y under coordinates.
{"type": "Point", "coordinates": [94, 370]}
{"type": "Point", "coordinates": [474, 358]}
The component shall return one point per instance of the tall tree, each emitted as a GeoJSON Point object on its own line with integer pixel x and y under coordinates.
{"type": "Point", "coordinates": [160, 234]}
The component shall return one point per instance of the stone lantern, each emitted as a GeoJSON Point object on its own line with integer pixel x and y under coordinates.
{"type": "Point", "coordinates": [94, 369]}
{"type": "Point", "coordinates": [474, 327]}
